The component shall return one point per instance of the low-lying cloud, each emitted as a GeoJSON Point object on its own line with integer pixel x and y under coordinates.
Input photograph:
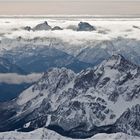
{"type": "Point", "coordinates": [13, 78]}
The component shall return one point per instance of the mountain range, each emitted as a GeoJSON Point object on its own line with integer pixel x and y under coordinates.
{"type": "Point", "coordinates": [69, 79]}
{"type": "Point", "coordinates": [7, 67]}
{"type": "Point", "coordinates": [102, 99]}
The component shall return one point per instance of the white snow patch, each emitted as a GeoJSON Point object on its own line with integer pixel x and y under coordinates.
{"type": "Point", "coordinates": [45, 134]}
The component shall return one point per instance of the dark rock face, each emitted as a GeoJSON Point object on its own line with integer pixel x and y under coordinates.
{"type": "Point", "coordinates": [84, 26]}
{"type": "Point", "coordinates": [81, 105]}
{"type": "Point", "coordinates": [87, 80]}
{"type": "Point", "coordinates": [42, 26]}
{"type": "Point", "coordinates": [27, 28]}
{"type": "Point", "coordinates": [129, 121]}
{"type": "Point", "coordinates": [79, 132]}
{"type": "Point", "coordinates": [56, 28]}
{"type": "Point", "coordinates": [136, 27]}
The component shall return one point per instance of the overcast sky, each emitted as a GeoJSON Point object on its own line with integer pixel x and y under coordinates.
{"type": "Point", "coordinates": [74, 7]}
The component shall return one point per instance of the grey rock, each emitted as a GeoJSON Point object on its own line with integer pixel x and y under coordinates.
{"type": "Point", "coordinates": [28, 28]}
{"type": "Point", "coordinates": [56, 28]}
{"type": "Point", "coordinates": [42, 26]}
{"type": "Point", "coordinates": [84, 26]}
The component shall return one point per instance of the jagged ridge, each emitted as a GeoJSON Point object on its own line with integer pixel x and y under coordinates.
{"type": "Point", "coordinates": [81, 105]}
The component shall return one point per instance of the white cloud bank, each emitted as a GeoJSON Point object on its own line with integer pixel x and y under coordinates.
{"type": "Point", "coordinates": [13, 78]}
{"type": "Point", "coordinates": [106, 29]}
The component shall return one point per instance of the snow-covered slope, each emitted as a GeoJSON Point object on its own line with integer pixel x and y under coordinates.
{"type": "Point", "coordinates": [80, 105]}
{"type": "Point", "coordinates": [45, 134]}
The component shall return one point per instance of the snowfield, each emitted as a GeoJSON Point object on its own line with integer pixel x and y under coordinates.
{"type": "Point", "coordinates": [45, 134]}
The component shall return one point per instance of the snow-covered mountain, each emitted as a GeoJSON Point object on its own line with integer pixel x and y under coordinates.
{"type": "Point", "coordinates": [78, 101]}
{"type": "Point", "coordinates": [103, 99]}
{"type": "Point", "coordinates": [31, 55]}
{"type": "Point", "coordinates": [45, 134]}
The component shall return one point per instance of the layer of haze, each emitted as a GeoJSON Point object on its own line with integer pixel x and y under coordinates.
{"type": "Point", "coordinates": [63, 7]}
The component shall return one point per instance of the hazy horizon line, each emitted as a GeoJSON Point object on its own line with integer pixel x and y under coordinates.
{"type": "Point", "coordinates": [70, 15]}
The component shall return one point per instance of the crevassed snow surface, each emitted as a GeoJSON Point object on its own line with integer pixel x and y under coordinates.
{"type": "Point", "coordinates": [45, 134]}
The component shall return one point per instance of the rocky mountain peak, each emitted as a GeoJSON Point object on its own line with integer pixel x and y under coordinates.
{"type": "Point", "coordinates": [117, 61]}
{"type": "Point", "coordinates": [55, 79]}
{"type": "Point", "coordinates": [84, 26]}
{"type": "Point", "coordinates": [95, 100]}
{"type": "Point", "coordinates": [42, 26]}
{"type": "Point", "coordinates": [46, 22]}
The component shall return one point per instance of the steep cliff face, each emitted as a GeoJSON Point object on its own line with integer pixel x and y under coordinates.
{"type": "Point", "coordinates": [129, 121]}
{"type": "Point", "coordinates": [103, 99]}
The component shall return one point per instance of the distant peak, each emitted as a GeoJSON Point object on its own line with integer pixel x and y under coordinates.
{"type": "Point", "coordinates": [42, 26]}
{"type": "Point", "coordinates": [117, 56]}
{"type": "Point", "coordinates": [85, 26]}
{"type": "Point", "coordinates": [46, 22]}
{"type": "Point", "coordinates": [117, 61]}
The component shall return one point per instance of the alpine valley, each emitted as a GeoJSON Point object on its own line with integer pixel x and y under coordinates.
{"type": "Point", "coordinates": [70, 78]}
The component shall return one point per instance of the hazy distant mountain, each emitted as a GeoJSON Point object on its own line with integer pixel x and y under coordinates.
{"type": "Point", "coordinates": [42, 58]}
{"type": "Point", "coordinates": [84, 26]}
{"type": "Point", "coordinates": [8, 67]}
{"type": "Point", "coordinates": [42, 26]}
{"type": "Point", "coordinates": [56, 28]}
